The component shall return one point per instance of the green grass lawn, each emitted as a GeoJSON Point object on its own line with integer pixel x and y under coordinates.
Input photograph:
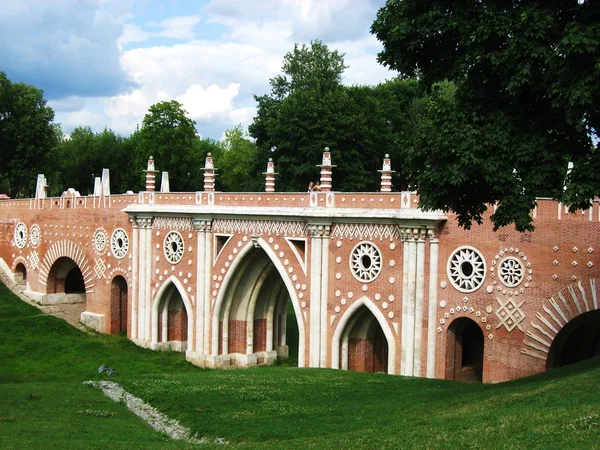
{"type": "Point", "coordinates": [43, 403]}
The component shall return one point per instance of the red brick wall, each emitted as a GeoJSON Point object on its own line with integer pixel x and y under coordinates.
{"type": "Point", "coordinates": [260, 335]}
{"type": "Point", "coordinates": [237, 336]}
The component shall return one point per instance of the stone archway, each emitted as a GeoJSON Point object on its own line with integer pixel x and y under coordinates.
{"type": "Point", "coordinates": [65, 282]}
{"type": "Point", "coordinates": [464, 351]}
{"type": "Point", "coordinates": [70, 250]}
{"type": "Point", "coordinates": [578, 340]}
{"type": "Point", "coordinates": [565, 321]}
{"type": "Point", "coordinates": [172, 322]}
{"type": "Point", "coordinates": [20, 274]}
{"type": "Point", "coordinates": [363, 340]}
{"type": "Point", "coordinates": [249, 318]}
{"type": "Point", "coordinates": [118, 305]}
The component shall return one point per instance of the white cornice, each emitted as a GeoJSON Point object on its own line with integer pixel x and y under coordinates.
{"type": "Point", "coordinates": [274, 213]}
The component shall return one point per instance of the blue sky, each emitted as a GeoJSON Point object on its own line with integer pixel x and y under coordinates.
{"type": "Point", "coordinates": [102, 63]}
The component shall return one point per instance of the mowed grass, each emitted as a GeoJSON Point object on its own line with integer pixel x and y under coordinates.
{"type": "Point", "coordinates": [43, 403]}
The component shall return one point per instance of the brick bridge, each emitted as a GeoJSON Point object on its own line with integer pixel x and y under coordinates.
{"type": "Point", "coordinates": [375, 283]}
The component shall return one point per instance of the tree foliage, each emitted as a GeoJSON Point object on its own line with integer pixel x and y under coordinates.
{"type": "Point", "coordinates": [524, 102]}
{"type": "Point", "coordinates": [238, 163]}
{"type": "Point", "coordinates": [27, 134]}
{"type": "Point", "coordinates": [83, 154]}
{"type": "Point", "coordinates": [309, 109]}
{"type": "Point", "coordinates": [170, 136]}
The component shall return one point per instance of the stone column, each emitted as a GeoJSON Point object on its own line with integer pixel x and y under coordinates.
{"type": "Point", "coordinates": [325, 232]}
{"type": "Point", "coordinates": [432, 314]}
{"type": "Point", "coordinates": [319, 267]}
{"type": "Point", "coordinates": [405, 236]}
{"type": "Point", "coordinates": [270, 176]}
{"type": "Point", "coordinates": [315, 296]}
{"type": "Point", "coordinates": [386, 174]}
{"type": "Point", "coordinates": [144, 289]}
{"type": "Point", "coordinates": [202, 227]}
{"type": "Point", "coordinates": [134, 278]}
{"type": "Point", "coordinates": [409, 345]}
{"type": "Point", "coordinates": [419, 294]}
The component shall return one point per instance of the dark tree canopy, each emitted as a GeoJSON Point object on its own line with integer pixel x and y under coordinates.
{"type": "Point", "coordinates": [309, 109]}
{"type": "Point", "coordinates": [27, 135]}
{"type": "Point", "coordinates": [525, 102]}
{"type": "Point", "coordinates": [170, 136]}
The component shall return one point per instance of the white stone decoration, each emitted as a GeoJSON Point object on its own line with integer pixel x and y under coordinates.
{"type": "Point", "coordinates": [365, 230]}
{"type": "Point", "coordinates": [365, 262]}
{"type": "Point", "coordinates": [119, 243]}
{"type": "Point", "coordinates": [466, 269]}
{"type": "Point", "coordinates": [100, 240]}
{"type": "Point", "coordinates": [34, 260]}
{"type": "Point", "coordinates": [510, 271]}
{"type": "Point", "coordinates": [266, 227]}
{"type": "Point", "coordinates": [169, 223]}
{"type": "Point", "coordinates": [20, 235]}
{"type": "Point", "coordinates": [510, 314]}
{"type": "Point", "coordinates": [173, 247]}
{"type": "Point", "coordinates": [35, 235]}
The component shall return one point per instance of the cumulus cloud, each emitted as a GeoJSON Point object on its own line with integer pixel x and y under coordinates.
{"type": "Point", "coordinates": [67, 47]}
{"type": "Point", "coordinates": [213, 59]}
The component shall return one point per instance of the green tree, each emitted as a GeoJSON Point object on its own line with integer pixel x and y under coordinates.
{"type": "Point", "coordinates": [524, 103]}
{"type": "Point", "coordinates": [27, 135]}
{"type": "Point", "coordinates": [237, 161]}
{"type": "Point", "coordinates": [170, 137]}
{"type": "Point", "coordinates": [309, 109]}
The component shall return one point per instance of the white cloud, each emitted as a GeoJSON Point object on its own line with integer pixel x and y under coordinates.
{"type": "Point", "coordinates": [83, 118]}
{"type": "Point", "coordinates": [216, 77]}
{"type": "Point", "coordinates": [181, 28]}
{"type": "Point", "coordinates": [133, 33]}
{"type": "Point", "coordinates": [207, 103]}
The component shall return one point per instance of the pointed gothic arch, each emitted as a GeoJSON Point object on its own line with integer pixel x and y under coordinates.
{"type": "Point", "coordinates": [172, 317]}
{"type": "Point", "coordinates": [235, 320]}
{"type": "Point", "coordinates": [349, 320]}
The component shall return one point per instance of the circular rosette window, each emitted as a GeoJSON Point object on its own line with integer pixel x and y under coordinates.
{"type": "Point", "coordinates": [173, 247]}
{"type": "Point", "coordinates": [119, 243]}
{"type": "Point", "coordinates": [20, 235]}
{"type": "Point", "coordinates": [365, 262]}
{"type": "Point", "coordinates": [511, 271]}
{"type": "Point", "coordinates": [35, 235]}
{"type": "Point", "coordinates": [466, 269]}
{"type": "Point", "coordinates": [100, 240]}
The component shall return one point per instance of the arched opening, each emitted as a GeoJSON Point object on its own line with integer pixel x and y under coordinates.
{"type": "Point", "coordinates": [65, 282]}
{"type": "Point", "coordinates": [20, 274]}
{"type": "Point", "coordinates": [464, 351]}
{"type": "Point", "coordinates": [172, 318]}
{"type": "Point", "coordinates": [118, 305]}
{"type": "Point", "coordinates": [254, 314]}
{"type": "Point", "coordinates": [576, 341]}
{"type": "Point", "coordinates": [364, 347]}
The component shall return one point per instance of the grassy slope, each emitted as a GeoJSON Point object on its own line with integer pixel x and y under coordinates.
{"type": "Point", "coordinates": [43, 403]}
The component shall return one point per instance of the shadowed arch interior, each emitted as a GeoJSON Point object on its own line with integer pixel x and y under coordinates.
{"type": "Point", "coordinates": [172, 320]}
{"type": "Point", "coordinates": [65, 280]}
{"type": "Point", "coordinates": [252, 316]}
{"type": "Point", "coordinates": [118, 304]}
{"type": "Point", "coordinates": [20, 274]}
{"type": "Point", "coordinates": [576, 341]}
{"type": "Point", "coordinates": [364, 345]}
{"type": "Point", "coordinates": [464, 351]}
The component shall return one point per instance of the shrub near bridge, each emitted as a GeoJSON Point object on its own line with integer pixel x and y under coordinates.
{"type": "Point", "coordinates": [43, 403]}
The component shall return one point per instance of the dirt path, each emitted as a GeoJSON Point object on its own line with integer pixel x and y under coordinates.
{"type": "Point", "coordinates": [70, 312]}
